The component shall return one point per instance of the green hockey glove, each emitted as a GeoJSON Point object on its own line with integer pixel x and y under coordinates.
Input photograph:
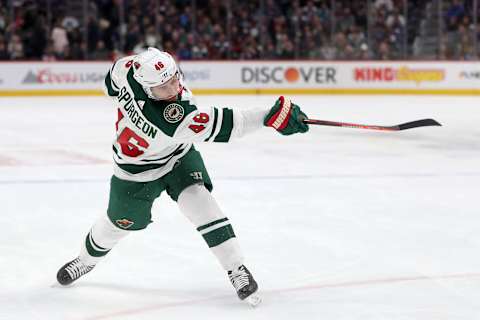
{"type": "Point", "coordinates": [286, 117]}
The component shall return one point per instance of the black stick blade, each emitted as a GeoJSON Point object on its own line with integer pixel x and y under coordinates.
{"type": "Point", "coordinates": [418, 123]}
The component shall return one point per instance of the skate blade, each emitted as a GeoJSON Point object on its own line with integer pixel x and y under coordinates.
{"type": "Point", "coordinates": [253, 300]}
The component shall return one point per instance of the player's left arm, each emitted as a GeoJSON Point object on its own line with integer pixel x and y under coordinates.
{"type": "Point", "coordinates": [223, 124]}
{"type": "Point", "coordinates": [218, 124]}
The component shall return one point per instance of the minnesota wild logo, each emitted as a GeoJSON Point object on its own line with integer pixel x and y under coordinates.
{"type": "Point", "coordinates": [173, 113]}
{"type": "Point", "coordinates": [124, 223]}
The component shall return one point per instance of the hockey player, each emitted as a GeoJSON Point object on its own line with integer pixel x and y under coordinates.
{"type": "Point", "coordinates": [158, 122]}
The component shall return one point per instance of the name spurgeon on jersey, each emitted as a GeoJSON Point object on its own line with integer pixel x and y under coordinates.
{"type": "Point", "coordinates": [135, 117]}
{"type": "Point", "coordinates": [151, 135]}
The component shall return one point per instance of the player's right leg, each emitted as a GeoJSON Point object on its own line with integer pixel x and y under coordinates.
{"type": "Point", "coordinates": [129, 209]}
{"type": "Point", "coordinates": [103, 236]}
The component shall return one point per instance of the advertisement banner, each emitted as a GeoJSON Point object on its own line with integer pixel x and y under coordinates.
{"type": "Point", "coordinates": [257, 77]}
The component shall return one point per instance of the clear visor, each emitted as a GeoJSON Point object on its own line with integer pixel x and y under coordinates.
{"type": "Point", "coordinates": [169, 89]}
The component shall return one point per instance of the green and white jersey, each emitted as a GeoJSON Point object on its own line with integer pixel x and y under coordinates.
{"type": "Point", "coordinates": [152, 135]}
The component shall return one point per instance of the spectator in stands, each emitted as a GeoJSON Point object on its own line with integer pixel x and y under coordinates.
{"type": "Point", "coordinates": [452, 24]}
{"type": "Point", "coordinates": [312, 51]}
{"type": "Point", "coordinates": [288, 51]}
{"type": "Point", "coordinates": [3, 18]}
{"type": "Point", "coordinates": [384, 4]}
{"type": "Point", "coordinates": [328, 51]}
{"type": "Point", "coordinates": [49, 53]}
{"type": "Point", "coordinates": [346, 20]}
{"type": "Point", "coordinates": [101, 52]}
{"type": "Point", "coordinates": [75, 42]}
{"type": "Point", "coordinates": [233, 29]}
{"type": "Point", "coordinates": [383, 51]}
{"type": "Point", "coordinates": [183, 52]}
{"type": "Point", "coordinates": [269, 50]}
{"type": "Point", "coordinates": [365, 53]}
{"type": "Point", "coordinates": [151, 36]}
{"type": "Point", "coordinates": [356, 38]}
{"type": "Point", "coordinates": [395, 18]}
{"type": "Point", "coordinates": [15, 47]}
{"type": "Point", "coordinates": [33, 32]}
{"type": "Point", "coordinates": [79, 51]}
{"type": "Point", "coordinates": [4, 55]}
{"type": "Point", "coordinates": [464, 44]}
{"type": "Point", "coordinates": [93, 33]}
{"type": "Point", "coordinates": [67, 53]}
{"type": "Point", "coordinates": [220, 47]}
{"type": "Point", "coordinates": [456, 9]}
{"type": "Point", "coordinates": [59, 39]}
{"type": "Point", "coordinates": [272, 9]}
{"type": "Point", "coordinates": [341, 45]}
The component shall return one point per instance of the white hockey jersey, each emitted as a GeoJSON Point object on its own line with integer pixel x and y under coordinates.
{"type": "Point", "coordinates": [152, 135]}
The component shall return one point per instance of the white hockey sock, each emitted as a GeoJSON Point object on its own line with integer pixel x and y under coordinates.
{"type": "Point", "coordinates": [103, 236]}
{"type": "Point", "coordinates": [199, 206]}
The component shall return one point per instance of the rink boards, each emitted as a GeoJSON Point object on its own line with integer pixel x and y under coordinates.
{"type": "Point", "coordinates": [257, 77]}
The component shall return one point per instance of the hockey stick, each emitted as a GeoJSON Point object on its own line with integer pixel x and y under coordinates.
{"type": "Point", "coordinates": [403, 126]}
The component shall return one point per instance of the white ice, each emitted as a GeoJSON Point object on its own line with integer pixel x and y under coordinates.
{"type": "Point", "coordinates": [339, 223]}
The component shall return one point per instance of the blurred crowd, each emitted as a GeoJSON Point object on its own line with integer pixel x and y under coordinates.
{"type": "Point", "coordinates": [229, 29]}
{"type": "Point", "coordinates": [458, 41]}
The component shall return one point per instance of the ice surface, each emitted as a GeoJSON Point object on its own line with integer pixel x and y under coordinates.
{"type": "Point", "coordinates": [336, 224]}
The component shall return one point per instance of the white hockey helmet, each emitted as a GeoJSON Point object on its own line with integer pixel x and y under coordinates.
{"type": "Point", "coordinates": [153, 67]}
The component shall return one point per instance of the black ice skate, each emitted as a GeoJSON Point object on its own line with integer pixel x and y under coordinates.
{"type": "Point", "coordinates": [71, 271]}
{"type": "Point", "coordinates": [242, 280]}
